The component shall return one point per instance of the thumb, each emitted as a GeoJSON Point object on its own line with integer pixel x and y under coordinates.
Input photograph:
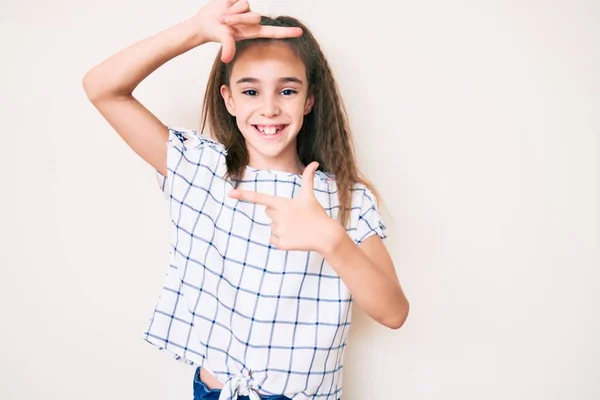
{"type": "Point", "coordinates": [308, 178]}
{"type": "Point", "coordinates": [227, 49]}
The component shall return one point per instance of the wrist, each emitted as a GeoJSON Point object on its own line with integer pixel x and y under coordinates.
{"type": "Point", "coordinates": [193, 32]}
{"type": "Point", "coordinates": [333, 236]}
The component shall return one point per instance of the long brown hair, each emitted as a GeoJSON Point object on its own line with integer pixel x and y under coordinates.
{"type": "Point", "coordinates": [325, 135]}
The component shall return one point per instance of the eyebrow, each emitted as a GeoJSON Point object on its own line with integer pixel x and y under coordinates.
{"type": "Point", "coordinates": [287, 79]}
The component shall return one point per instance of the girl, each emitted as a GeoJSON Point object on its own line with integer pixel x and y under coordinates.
{"type": "Point", "coordinates": [274, 233]}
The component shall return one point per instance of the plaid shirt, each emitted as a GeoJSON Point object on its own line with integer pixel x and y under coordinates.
{"type": "Point", "coordinates": [262, 320]}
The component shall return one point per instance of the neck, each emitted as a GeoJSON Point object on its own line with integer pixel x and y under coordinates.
{"type": "Point", "coordinates": [293, 166]}
{"type": "Point", "coordinates": [287, 161]}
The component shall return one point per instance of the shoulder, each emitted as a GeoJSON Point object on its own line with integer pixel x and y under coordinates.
{"type": "Point", "coordinates": [367, 217]}
{"type": "Point", "coordinates": [361, 194]}
{"type": "Point", "coordinates": [193, 156]}
{"type": "Point", "coordinates": [190, 139]}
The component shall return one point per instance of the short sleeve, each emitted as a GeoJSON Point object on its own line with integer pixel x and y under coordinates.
{"type": "Point", "coordinates": [370, 221]}
{"type": "Point", "coordinates": [185, 155]}
{"type": "Point", "coordinates": [192, 159]}
{"type": "Point", "coordinates": [175, 149]}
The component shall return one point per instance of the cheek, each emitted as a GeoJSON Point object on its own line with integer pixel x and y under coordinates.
{"type": "Point", "coordinates": [296, 107]}
{"type": "Point", "coordinates": [242, 108]}
{"type": "Point", "coordinates": [243, 116]}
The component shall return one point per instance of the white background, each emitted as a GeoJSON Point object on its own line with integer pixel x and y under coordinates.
{"type": "Point", "coordinates": [477, 120]}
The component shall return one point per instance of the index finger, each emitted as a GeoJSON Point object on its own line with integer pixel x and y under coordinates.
{"type": "Point", "coordinates": [278, 32]}
{"type": "Point", "coordinates": [254, 197]}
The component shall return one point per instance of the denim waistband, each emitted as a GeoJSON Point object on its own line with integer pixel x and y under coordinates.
{"type": "Point", "coordinates": [202, 392]}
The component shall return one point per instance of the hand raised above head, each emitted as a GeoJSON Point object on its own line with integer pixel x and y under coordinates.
{"type": "Point", "coordinates": [227, 21]}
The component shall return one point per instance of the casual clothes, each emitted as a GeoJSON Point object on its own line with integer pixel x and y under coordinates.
{"type": "Point", "coordinates": [260, 319]}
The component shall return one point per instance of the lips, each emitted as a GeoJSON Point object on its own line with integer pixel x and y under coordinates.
{"type": "Point", "coordinates": [269, 129]}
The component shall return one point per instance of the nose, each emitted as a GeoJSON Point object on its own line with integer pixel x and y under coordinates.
{"type": "Point", "coordinates": [270, 106]}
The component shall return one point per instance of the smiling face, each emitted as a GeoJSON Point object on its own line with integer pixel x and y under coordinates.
{"type": "Point", "coordinates": [268, 95]}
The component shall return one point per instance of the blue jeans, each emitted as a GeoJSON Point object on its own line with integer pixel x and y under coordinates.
{"type": "Point", "coordinates": [202, 392]}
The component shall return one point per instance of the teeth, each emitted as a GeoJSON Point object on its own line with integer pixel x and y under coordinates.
{"type": "Point", "coordinates": [268, 130]}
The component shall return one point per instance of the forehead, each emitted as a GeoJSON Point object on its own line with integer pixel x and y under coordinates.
{"type": "Point", "coordinates": [268, 61]}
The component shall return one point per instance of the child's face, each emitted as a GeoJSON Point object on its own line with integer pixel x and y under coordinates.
{"type": "Point", "coordinates": [267, 94]}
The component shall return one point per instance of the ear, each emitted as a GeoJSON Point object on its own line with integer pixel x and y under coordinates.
{"type": "Point", "coordinates": [310, 101]}
{"type": "Point", "coordinates": [228, 99]}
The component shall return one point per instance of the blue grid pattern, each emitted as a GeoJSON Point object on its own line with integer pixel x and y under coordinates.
{"type": "Point", "coordinates": [233, 303]}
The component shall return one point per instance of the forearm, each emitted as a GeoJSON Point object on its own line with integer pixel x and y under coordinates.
{"type": "Point", "coordinates": [377, 293]}
{"type": "Point", "coordinates": [121, 73]}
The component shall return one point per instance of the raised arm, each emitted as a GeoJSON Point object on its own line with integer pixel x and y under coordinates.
{"type": "Point", "coordinates": [110, 84]}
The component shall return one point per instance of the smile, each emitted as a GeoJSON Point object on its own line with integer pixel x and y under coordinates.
{"type": "Point", "coordinates": [270, 130]}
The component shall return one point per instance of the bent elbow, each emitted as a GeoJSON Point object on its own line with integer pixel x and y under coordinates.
{"type": "Point", "coordinates": [89, 88]}
{"type": "Point", "coordinates": [398, 319]}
